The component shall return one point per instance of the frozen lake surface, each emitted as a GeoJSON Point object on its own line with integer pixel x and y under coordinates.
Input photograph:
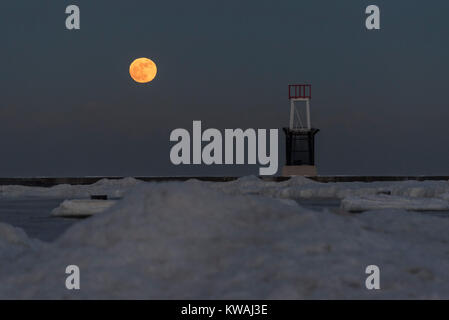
{"type": "Point", "coordinates": [245, 239]}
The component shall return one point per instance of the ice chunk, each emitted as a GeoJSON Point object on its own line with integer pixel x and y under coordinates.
{"type": "Point", "coordinates": [82, 208]}
{"type": "Point", "coordinates": [382, 201]}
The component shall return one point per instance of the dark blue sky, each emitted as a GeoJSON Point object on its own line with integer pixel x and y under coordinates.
{"type": "Point", "coordinates": [69, 107]}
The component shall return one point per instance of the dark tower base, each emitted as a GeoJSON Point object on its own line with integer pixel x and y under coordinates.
{"type": "Point", "coordinates": [300, 152]}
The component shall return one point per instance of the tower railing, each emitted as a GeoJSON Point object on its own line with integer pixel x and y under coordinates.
{"type": "Point", "coordinates": [300, 91]}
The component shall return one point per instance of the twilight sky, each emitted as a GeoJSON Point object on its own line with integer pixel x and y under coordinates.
{"type": "Point", "coordinates": [68, 106]}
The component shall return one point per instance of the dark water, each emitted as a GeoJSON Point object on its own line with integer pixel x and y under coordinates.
{"type": "Point", "coordinates": [33, 216]}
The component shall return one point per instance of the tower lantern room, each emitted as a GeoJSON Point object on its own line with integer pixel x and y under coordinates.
{"type": "Point", "coordinates": [300, 135]}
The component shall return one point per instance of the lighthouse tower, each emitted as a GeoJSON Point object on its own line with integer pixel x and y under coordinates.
{"type": "Point", "coordinates": [300, 136]}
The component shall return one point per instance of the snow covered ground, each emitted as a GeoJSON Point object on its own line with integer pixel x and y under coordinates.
{"type": "Point", "coordinates": [113, 188]}
{"type": "Point", "coordinates": [246, 239]}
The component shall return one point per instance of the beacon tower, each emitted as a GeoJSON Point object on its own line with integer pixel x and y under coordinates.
{"type": "Point", "coordinates": [300, 136]}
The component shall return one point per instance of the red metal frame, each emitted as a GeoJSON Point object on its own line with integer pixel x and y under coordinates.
{"type": "Point", "coordinates": [300, 91]}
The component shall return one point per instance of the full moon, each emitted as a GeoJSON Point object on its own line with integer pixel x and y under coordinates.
{"type": "Point", "coordinates": [142, 70]}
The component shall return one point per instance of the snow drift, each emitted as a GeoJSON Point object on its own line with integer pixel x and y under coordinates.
{"type": "Point", "coordinates": [301, 187]}
{"type": "Point", "coordinates": [294, 188]}
{"type": "Point", "coordinates": [112, 187]}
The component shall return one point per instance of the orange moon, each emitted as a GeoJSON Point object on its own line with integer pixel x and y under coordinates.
{"type": "Point", "coordinates": [143, 70]}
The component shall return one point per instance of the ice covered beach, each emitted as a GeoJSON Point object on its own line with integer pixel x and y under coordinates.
{"type": "Point", "coordinates": [245, 239]}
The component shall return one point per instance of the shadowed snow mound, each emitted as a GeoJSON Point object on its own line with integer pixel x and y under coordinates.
{"type": "Point", "coordinates": [110, 187]}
